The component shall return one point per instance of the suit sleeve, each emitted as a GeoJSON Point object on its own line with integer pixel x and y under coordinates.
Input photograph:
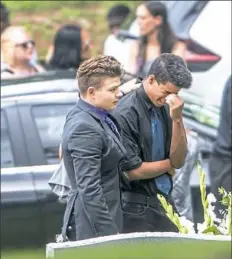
{"type": "Point", "coordinates": [86, 147]}
{"type": "Point", "coordinates": [130, 136]}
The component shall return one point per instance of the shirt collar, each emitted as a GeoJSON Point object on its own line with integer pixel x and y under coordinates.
{"type": "Point", "coordinates": [145, 98]}
{"type": "Point", "coordinates": [101, 112]}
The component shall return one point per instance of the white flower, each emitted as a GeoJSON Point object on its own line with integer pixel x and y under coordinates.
{"type": "Point", "coordinates": [201, 227]}
{"type": "Point", "coordinates": [211, 198]}
{"type": "Point", "coordinates": [188, 224]}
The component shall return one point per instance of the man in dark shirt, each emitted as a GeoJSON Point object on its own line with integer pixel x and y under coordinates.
{"type": "Point", "coordinates": [220, 162]}
{"type": "Point", "coordinates": [154, 137]}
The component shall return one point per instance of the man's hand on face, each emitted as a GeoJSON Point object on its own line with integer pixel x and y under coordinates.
{"type": "Point", "coordinates": [176, 105]}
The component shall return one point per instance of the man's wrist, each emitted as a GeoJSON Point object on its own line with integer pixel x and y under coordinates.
{"type": "Point", "coordinates": [169, 163]}
{"type": "Point", "coordinates": [178, 120]}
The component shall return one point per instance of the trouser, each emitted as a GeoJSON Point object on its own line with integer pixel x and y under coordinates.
{"type": "Point", "coordinates": [145, 214]}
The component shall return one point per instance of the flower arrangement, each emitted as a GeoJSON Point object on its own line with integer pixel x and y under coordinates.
{"type": "Point", "coordinates": [211, 225]}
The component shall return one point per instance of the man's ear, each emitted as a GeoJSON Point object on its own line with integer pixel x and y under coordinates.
{"type": "Point", "coordinates": [151, 79]}
{"type": "Point", "coordinates": [91, 91]}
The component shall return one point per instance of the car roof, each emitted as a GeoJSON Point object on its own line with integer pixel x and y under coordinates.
{"type": "Point", "coordinates": [41, 98]}
{"type": "Point", "coordinates": [48, 82]}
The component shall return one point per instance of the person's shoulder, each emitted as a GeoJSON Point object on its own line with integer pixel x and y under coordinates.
{"type": "Point", "coordinates": [127, 107]}
{"type": "Point", "coordinates": [79, 121]}
{"type": "Point", "coordinates": [128, 100]}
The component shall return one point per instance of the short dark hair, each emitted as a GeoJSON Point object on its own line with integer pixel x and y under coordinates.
{"type": "Point", "coordinates": [94, 70]}
{"type": "Point", "coordinates": [117, 15]}
{"type": "Point", "coordinates": [171, 68]}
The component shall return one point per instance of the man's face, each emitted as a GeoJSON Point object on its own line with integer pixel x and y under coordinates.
{"type": "Point", "coordinates": [107, 96]}
{"type": "Point", "coordinates": [24, 46]}
{"type": "Point", "coordinates": [158, 92]}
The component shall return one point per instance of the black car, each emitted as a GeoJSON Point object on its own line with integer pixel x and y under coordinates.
{"type": "Point", "coordinates": [33, 112]}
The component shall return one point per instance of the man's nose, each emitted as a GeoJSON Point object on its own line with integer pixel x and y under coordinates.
{"type": "Point", "coordinates": [119, 94]}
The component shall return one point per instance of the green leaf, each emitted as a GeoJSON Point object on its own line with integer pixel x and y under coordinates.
{"type": "Point", "coordinates": [212, 229]}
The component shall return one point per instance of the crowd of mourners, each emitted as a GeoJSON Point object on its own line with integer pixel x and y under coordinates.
{"type": "Point", "coordinates": [72, 43]}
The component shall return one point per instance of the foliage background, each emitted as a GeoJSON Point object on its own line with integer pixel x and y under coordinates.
{"type": "Point", "coordinates": [43, 18]}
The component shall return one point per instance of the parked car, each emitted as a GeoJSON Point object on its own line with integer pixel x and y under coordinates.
{"type": "Point", "coordinates": [33, 112]}
{"type": "Point", "coordinates": [211, 29]}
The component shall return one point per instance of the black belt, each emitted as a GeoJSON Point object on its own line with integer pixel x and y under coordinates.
{"type": "Point", "coordinates": [139, 198]}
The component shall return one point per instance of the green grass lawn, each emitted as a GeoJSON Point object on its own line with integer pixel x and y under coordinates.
{"type": "Point", "coordinates": [169, 250]}
{"type": "Point", "coordinates": [23, 254]}
{"type": "Point", "coordinates": [43, 18]}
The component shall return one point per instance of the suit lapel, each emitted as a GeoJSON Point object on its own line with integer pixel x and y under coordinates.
{"type": "Point", "coordinates": [111, 133]}
{"type": "Point", "coordinates": [81, 104]}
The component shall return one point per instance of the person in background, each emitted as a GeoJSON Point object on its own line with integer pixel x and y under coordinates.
{"type": "Point", "coordinates": [156, 38]}
{"type": "Point", "coordinates": [17, 48]}
{"type": "Point", "coordinates": [155, 140]}
{"type": "Point", "coordinates": [220, 165]}
{"type": "Point", "coordinates": [5, 17]}
{"type": "Point", "coordinates": [71, 47]}
{"type": "Point", "coordinates": [92, 153]}
{"type": "Point", "coordinates": [5, 22]}
{"type": "Point", "coordinates": [113, 46]}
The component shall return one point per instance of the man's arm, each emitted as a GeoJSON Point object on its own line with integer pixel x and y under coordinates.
{"type": "Point", "coordinates": [86, 150]}
{"type": "Point", "coordinates": [178, 150]}
{"type": "Point", "coordinates": [149, 170]}
{"type": "Point", "coordinates": [134, 167]}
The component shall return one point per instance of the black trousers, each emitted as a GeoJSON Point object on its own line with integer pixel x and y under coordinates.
{"type": "Point", "coordinates": [145, 214]}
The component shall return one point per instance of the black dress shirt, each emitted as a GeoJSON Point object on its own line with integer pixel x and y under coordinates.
{"type": "Point", "coordinates": [134, 115]}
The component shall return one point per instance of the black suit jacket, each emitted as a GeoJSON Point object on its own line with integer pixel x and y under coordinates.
{"type": "Point", "coordinates": [92, 154]}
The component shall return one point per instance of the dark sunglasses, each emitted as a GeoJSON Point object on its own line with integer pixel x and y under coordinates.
{"type": "Point", "coordinates": [26, 44]}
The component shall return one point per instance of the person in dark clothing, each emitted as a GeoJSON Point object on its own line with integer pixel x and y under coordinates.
{"type": "Point", "coordinates": [70, 48]}
{"type": "Point", "coordinates": [220, 162]}
{"type": "Point", "coordinates": [92, 152]}
{"type": "Point", "coordinates": [155, 140]}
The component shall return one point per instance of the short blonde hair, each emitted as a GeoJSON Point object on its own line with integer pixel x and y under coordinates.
{"type": "Point", "coordinates": [7, 45]}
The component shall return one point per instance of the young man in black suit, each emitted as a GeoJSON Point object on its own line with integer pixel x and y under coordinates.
{"type": "Point", "coordinates": [92, 153]}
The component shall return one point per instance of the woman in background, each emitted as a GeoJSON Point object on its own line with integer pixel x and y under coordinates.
{"type": "Point", "coordinates": [156, 37]}
{"type": "Point", "coordinates": [71, 46]}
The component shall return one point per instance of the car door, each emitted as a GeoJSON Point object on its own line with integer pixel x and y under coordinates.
{"type": "Point", "coordinates": [45, 121]}
{"type": "Point", "coordinates": [20, 222]}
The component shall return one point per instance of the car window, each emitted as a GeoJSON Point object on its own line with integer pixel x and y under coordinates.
{"type": "Point", "coordinates": [7, 158]}
{"type": "Point", "coordinates": [50, 120]}
{"type": "Point", "coordinates": [182, 14]}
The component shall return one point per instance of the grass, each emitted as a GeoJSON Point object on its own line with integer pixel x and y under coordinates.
{"type": "Point", "coordinates": [43, 18]}
{"type": "Point", "coordinates": [20, 254]}
{"type": "Point", "coordinates": [142, 250]}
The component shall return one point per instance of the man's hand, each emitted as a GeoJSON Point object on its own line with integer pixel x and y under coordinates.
{"type": "Point", "coordinates": [171, 171]}
{"type": "Point", "coordinates": [176, 105]}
